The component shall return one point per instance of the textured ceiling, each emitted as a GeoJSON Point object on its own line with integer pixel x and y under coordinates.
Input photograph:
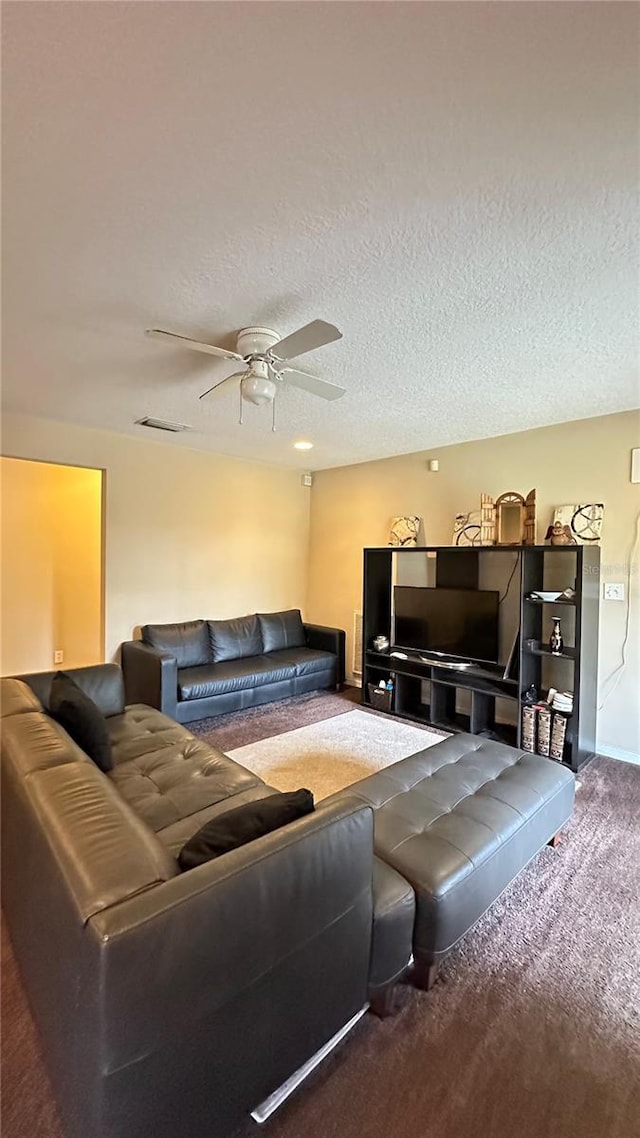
{"type": "Point", "coordinates": [454, 185]}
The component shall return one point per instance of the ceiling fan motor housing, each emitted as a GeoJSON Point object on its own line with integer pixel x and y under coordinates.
{"type": "Point", "coordinates": [256, 341]}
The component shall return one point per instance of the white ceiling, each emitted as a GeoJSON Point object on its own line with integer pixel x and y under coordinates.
{"type": "Point", "coordinates": [453, 184]}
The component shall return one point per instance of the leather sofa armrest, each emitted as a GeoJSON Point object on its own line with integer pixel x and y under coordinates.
{"type": "Point", "coordinates": [245, 965]}
{"type": "Point", "coordinates": [394, 909]}
{"type": "Point", "coordinates": [150, 677]}
{"type": "Point", "coordinates": [328, 640]}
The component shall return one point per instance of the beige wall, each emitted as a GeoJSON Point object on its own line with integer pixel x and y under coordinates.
{"type": "Point", "coordinates": [51, 584]}
{"type": "Point", "coordinates": [581, 461]}
{"type": "Point", "coordinates": [187, 534]}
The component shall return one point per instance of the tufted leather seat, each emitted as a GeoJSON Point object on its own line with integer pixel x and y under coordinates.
{"type": "Point", "coordinates": [459, 821]}
{"type": "Point", "coordinates": [168, 776]}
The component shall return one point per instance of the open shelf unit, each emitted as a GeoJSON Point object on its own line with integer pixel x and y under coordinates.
{"type": "Point", "coordinates": [487, 698]}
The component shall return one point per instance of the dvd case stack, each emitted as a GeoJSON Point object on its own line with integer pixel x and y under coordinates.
{"type": "Point", "coordinates": [558, 732]}
{"type": "Point", "coordinates": [529, 714]}
{"type": "Point", "coordinates": [544, 728]}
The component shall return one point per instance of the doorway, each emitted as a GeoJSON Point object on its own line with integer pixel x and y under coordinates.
{"type": "Point", "coordinates": [52, 566]}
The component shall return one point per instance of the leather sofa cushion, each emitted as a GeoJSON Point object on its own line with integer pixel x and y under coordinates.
{"type": "Point", "coordinates": [33, 741]}
{"type": "Point", "coordinates": [244, 824]}
{"type": "Point", "coordinates": [306, 661]}
{"type": "Point", "coordinates": [16, 698]}
{"type": "Point", "coordinates": [282, 630]}
{"type": "Point", "coordinates": [165, 773]}
{"type": "Point", "coordinates": [187, 642]}
{"type": "Point", "coordinates": [83, 720]}
{"type": "Point", "coordinates": [394, 910]}
{"type": "Point", "coordinates": [232, 676]}
{"type": "Point", "coordinates": [233, 639]}
{"type": "Point", "coordinates": [105, 852]}
{"type": "Point", "coordinates": [103, 683]}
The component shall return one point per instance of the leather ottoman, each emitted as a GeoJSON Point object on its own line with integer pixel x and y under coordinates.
{"type": "Point", "coordinates": [459, 821]}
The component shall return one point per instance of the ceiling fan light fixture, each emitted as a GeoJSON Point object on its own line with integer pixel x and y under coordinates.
{"type": "Point", "coordinates": [303, 444]}
{"type": "Point", "coordinates": [258, 389]}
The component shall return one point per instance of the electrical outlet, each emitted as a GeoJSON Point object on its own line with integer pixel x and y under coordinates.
{"type": "Point", "coordinates": [58, 656]}
{"type": "Point", "coordinates": [613, 592]}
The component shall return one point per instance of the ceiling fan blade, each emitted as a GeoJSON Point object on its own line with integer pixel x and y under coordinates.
{"type": "Point", "coordinates": [186, 342]}
{"type": "Point", "coordinates": [313, 335]}
{"type": "Point", "coordinates": [236, 375]}
{"type": "Point", "coordinates": [311, 383]}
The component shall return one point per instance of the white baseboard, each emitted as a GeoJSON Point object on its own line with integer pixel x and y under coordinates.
{"type": "Point", "coordinates": [618, 753]}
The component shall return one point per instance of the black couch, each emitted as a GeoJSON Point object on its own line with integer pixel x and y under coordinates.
{"type": "Point", "coordinates": [208, 667]}
{"type": "Point", "coordinates": [171, 1004]}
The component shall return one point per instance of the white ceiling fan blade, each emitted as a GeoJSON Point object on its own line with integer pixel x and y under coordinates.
{"type": "Point", "coordinates": [311, 383]}
{"type": "Point", "coordinates": [236, 375]}
{"type": "Point", "coordinates": [313, 335]}
{"type": "Point", "coordinates": [186, 342]}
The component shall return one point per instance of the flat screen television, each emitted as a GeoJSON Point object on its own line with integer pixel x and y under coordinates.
{"type": "Point", "coordinates": [453, 622]}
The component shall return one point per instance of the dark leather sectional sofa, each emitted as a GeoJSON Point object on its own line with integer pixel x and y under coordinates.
{"type": "Point", "coordinates": [173, 1004]}
{"type": "Point", "coordinates": [208, 667]}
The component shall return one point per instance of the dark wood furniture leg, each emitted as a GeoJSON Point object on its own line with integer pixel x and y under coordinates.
{"type": "Point", "coordinates": [425, 975]}
{"type": "Point", "coordinates": [385, 1002]}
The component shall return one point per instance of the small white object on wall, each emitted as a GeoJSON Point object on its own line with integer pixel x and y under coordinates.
{"type": "Point", "coordinates": [613, 592]}
{"type": "Point", "coordinates": [635, 464]}
{"type": "Point", "coordinates": [307, 479]}
{"type": "Point", "coordinates": [434, 465]}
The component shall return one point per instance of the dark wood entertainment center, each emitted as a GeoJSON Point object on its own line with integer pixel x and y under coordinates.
{"type": "Point", "coordinates": [486, 697]}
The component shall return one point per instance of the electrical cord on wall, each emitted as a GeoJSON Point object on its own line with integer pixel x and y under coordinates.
{"type": "Point", "coordinates": [619, 668]}
{"type": "Point", "coordinates": [515, 565]}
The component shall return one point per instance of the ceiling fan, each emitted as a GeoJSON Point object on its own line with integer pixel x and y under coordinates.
{"type": "Point", "coordinates": [267, 361]}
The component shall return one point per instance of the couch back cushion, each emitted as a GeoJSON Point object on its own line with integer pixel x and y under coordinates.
{"type": "Point", "coordinates": [282, 630]}
{"type": "Point", "coordinates": [233, 639]}
{"type": "Point", "coordinates": [63, 816]}
{"type": "Point", "coordinates": [102, 683]}
{"type": "Point", "coordinates": [188, 642]}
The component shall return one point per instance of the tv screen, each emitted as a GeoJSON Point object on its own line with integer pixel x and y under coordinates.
{"type": "Point", "coordinates": [454, 622]}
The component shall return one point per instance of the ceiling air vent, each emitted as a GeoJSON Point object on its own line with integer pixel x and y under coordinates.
{"type": "Point", "coordinates": [162, 425]}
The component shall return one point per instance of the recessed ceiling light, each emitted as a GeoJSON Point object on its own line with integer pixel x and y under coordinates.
{"type": "Point", "coordinates": [303, 445]}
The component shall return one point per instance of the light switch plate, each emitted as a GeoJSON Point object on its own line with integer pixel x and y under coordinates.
{"type": "Point", "coordinates": [613, 592]}
{"type": "Point", "coordinates": [58, 657]}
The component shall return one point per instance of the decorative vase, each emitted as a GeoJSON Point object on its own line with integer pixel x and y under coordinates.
{"type": "Point", "coordinates": [556, 643]}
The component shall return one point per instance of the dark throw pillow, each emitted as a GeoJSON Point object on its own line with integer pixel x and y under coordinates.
{"type": "Point", "coordinates": [80, 717]}
{"type": "Point", "coordinates": [244, 824]}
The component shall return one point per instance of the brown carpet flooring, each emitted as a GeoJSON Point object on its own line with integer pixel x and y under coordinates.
{"type": "Point", "coordinates": [533, 1032]}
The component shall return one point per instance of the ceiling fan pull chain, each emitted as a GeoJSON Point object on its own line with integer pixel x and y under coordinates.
{"type": "Point", "coordinates": [241, 403]}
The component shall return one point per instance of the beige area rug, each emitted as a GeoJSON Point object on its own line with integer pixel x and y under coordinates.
{"type": "Point", "coordinates": [330, 755]}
